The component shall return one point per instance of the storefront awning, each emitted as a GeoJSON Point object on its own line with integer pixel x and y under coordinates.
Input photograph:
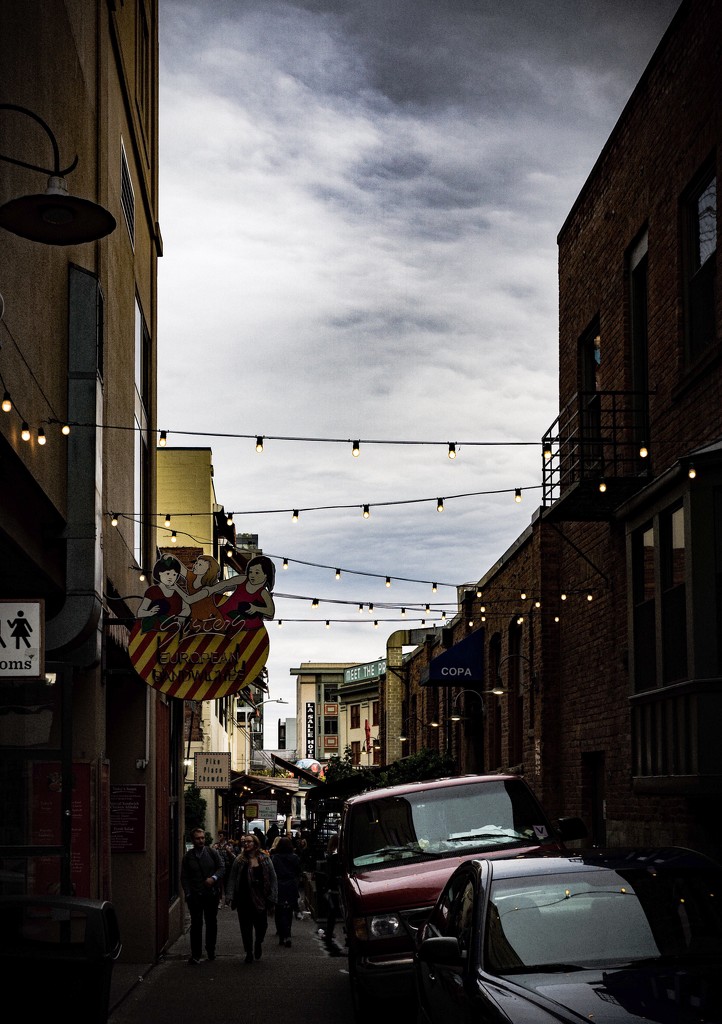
{"type": "Point", "coordinates": [460, 665]}
{"type": "Point", "coordinates": [289, 766]}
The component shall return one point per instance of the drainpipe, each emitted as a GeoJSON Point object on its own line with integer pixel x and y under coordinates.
{"type": "Point", "coordinates": [74, 632]}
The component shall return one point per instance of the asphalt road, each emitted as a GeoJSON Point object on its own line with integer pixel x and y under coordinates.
{"type": "Point", "coordinates": [304, 984]}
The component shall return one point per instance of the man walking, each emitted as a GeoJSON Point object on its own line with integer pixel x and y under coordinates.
{"type": "Point", "coordinates": [201, 871]}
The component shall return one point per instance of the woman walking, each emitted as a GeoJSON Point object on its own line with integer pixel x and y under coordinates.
{"type": "Point", "coordinates": [253, 891]}
{"type": "Point", "coordinates": [288, 871]}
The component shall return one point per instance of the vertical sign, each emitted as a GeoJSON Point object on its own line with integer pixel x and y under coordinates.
{"type": "Point", "coordinates": [310, 729]}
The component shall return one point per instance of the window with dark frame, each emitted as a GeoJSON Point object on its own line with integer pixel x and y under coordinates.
{"type": "Point", "coordinates": [355, 716]}
{"type": "Point", "coordinates": [674, 595]}
{"type": "Point", "coordinates": [644, 614]}
{"type": "Point", "coordinates": [700, 209]}
{"type": "Point", "coordinates": [355, 752]}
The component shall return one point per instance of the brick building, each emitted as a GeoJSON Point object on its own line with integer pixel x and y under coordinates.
{"type": "Point", "coordinates": [603, 622]}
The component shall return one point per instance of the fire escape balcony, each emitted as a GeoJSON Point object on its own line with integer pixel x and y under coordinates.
{"type": "Point", "coordinates": [595, 456]}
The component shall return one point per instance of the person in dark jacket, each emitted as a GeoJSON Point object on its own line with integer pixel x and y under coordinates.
{"type": "Point", "coordinates": [272, 834]}
{"type": "Point", "coordinates": [253, 892]}
{"type": "Point", "coordinates": [288, 871]}
{"type": "Point", "coordinates": [201, 872]}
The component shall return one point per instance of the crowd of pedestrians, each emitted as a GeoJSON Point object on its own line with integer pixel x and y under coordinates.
{"type": "Point", "coordinates": [260, 876]}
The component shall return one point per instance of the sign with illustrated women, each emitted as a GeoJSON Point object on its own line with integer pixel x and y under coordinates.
{"type": "Point", "coordinates": [199, 637]}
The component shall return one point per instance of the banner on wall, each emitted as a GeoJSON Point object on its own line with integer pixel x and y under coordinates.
{"type": "Point", "coordinates": [197, 637]}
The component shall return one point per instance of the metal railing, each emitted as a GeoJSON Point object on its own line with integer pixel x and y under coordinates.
{"type": "Point", "coordinates": [598, 436]}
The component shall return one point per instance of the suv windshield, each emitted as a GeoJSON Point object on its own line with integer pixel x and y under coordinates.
{"type": "Point", "coordinates": [451, 821]}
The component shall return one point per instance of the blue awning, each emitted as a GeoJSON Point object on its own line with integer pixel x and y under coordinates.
{"type": "Point", "coordinates": [460, 665]}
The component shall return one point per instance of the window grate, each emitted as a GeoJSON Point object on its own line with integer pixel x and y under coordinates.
{"type": "Point", "coordinates": [127, 195]}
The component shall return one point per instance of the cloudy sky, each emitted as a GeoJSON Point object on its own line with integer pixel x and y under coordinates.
{"type": "Point", "coordinates": [359, 203]}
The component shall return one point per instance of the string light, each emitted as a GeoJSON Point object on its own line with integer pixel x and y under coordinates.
{"type": "Point", "coordinates": [517, 495]}
{"type": "Point", "coordinates": [643, 452]}
{"type": "Point", "coordinates": [167, 519]}
{"type": "Point", "coordinates": [360, 607]}
{"type": "Point", "coordinates": [388, 581]}
{"type": "Point", "coordinates": [439, 504]}
{"type": "Point", "coordinates": [294, 517]}
{"type": "Point", "coordinates": [547, 453]}
{"type": "Point", "coordinates": [229, 519]}
{"type": "Point", "coordinates": [41, 436]}
{"type": "Point", "coordinates": [434, 588]}
{"type": "Point", "coordinates": [338, 574]}
{"type": "Point", "coordinates": [7, 402]}
{"type": "Point", "coordinates": [479, 592]}
{"type": "Point", "coordinates": [602, 486]}
{"type": "Point", "coordinates": [691, 472]}
{"type": "Point", "coordinates": [356, 449]}
{"type": "Point", "coordinates": [523, 595]}
{"type": "Point", "coordinates": [371, 609]}
{"type": "Point", "coordinates": [259, 444]}
{"type": "Point", "coordinates": [452, 451]}
{"type": "Point", "coordinates": [366, 512]}
{"type": "Point", "coordinates": [162, 442]}
{"type": "Point", "coordinates": [173, 538]}
{"type": "Point", "coordinates": [280, 623]}
{"type": "Point", "coordinates": [141, 576]}
{"type": "Point", "coordinates": [65, 429]}
{"type": "Point", "coordinates": [285, 563]}
{"type": "Point", "coordinates": [590, 597]}
{"type": "Point", "coordinates": [113, 519]}
{"type": "Point", "coordinates": [403, 613]}
{"type": "Point", "coordinates": [328, 624]}
{"type": "Point", "coordinates": [376, 623]}
{"type": "Point", "coordinates": [314, 603]}
{"type": "Point", "coordinates": [25, 431]}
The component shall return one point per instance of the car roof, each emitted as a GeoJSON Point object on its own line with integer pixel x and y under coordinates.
{"type": "Point", "coordinates": [415, 787]}
{"type": "Point", "coordinates": [652, 858]}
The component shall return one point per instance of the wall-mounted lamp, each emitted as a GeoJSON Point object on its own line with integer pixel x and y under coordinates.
{"type": "Point", "coordinates": [53, 217]}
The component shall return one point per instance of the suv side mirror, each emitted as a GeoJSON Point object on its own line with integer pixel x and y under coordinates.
{"type": "Point", "coordinates": [441, 949]}
{"type": "Point", "coordinates": [572, 828]}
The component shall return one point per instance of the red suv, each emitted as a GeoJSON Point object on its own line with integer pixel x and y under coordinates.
{"type": "Point", "coordinates": [398, 847]}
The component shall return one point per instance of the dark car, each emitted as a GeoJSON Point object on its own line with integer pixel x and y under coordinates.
{"type": "Point", "coordinates": [605, 936]}
{"type": "Point", "coordinates": [398, 847]}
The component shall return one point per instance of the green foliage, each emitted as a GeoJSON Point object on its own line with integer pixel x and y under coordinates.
{"type": "Point", "coordinates": [195, 810]}
{"type": "Point", "coordinates": [426, 764]}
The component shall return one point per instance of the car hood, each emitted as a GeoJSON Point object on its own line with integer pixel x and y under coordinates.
{"type": "Point", "coordinates": [652, 994]}
{"type": "Point", "coordinates": [416, 884]}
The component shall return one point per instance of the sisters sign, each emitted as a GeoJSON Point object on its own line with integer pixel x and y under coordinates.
{"type": "Point", "coordinates": [197, 637]}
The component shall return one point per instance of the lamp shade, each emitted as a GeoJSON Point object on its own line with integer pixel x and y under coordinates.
{"type": "Point", "coordinates": [55, 217]}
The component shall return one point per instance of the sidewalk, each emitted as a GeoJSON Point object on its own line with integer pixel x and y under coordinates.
{"type": "Point", "coordinates": [137, 990]}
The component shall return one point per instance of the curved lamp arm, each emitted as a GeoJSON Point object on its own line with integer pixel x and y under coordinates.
{"type": "Point", "coordinates": [57, 170]}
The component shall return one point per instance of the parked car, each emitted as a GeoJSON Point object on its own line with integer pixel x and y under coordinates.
{"type": "Point", "coordinates": [603, 936]}
{"type": "Point", "coordinates": [398, 847]}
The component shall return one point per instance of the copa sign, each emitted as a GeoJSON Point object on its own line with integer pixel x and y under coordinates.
{"type": "Point", "coordinates": [456, 670]}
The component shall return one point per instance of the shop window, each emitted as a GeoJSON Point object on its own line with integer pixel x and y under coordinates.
{"type": "Point", "coordinates": [643, 590]}
{"type": "Point", "coordinates": [674, 605]}
{"type": "Point", "coordinates": [355, 716]}
{"type": "Point", "coordinates": [374, 712]}
{"type": "Point", "coordinates": [356, 752]}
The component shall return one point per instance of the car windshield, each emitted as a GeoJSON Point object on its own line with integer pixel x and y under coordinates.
{"type": "Point", "coordinates": [603, 917]}
{"type": "Point", "coordinates": [446, 822]}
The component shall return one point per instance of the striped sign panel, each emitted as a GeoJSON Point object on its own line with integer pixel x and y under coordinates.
{"type": "Point", "coordinates": [197, 665]}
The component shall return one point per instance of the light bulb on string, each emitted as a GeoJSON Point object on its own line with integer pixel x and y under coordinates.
{"type": "Point", "coordinates": [356, 449]}
{"type": "Point", "coordinates": [285, 563]}
{"type": "Point", "coordinates": [41, 436]}
{"type": "Point", "coordinates": [173, 538]}
{"type": "Point", "coordinates": [590, 597]}
{"type": "Point", "coordinates": [563, 596]}
{"type": "Point", "coordinates": [439, 504]}
{"type": "Point", "coordinates": [434, 588]}
{"type": "Point", "coordinates": [366, 512]}
{"type": "Point", "coordinates": [338, 574]}
{"type": "Point", "coordinates": [259, 444]}
{"type": "Point", "coordinates": [141, 577]}
{"type": "Point", "coordinates": [328, 624]}
{"type": "Point", "coordinates": [294, 516]}
{"type": "Point", "coordinates": [65, 429]}
{"type": "Point", "coordinates": [314, 603]}
{"type": "Point", "coordinates": [517, 495]}
{"type": "Point", "coordinates": [403, 613]}
{"type": "Point", "coordinates": [7, 402]}
{"type": "Point", "coordinates": [360, 607]}
{"type": "Point", "coordinates": [691, 472]}
{"type": "Point", "coordinates": [547, 452]}
{"type": "Point", "coordinates": [371, 609]}
{"type": "Point", "coordinates": [113, 519]}
{"type": "Point", "coordinates": [388, 581]}
{"type": "Point", "coordinates": [167, 519]}
{"type": "Point", "coordinates": [25, 431]}
{"type": "Point", "coordinates": [376, 623]}
{"type": "Point", "coordinates": [229, 519]}
{"type": "Point", "coordinates": [602, 486]}
{"type": "Point", "coordinates": [643, 451]}
{"type": "Point", "coordinates": [452, 450]}
{"type": "Point", "coordinates": [163, 439]}
{"type": "Point", "coordinates": [280, 623]}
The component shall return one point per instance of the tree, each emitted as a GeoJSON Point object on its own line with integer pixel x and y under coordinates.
{"type": "Point", "coordinates": [195, 810]}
